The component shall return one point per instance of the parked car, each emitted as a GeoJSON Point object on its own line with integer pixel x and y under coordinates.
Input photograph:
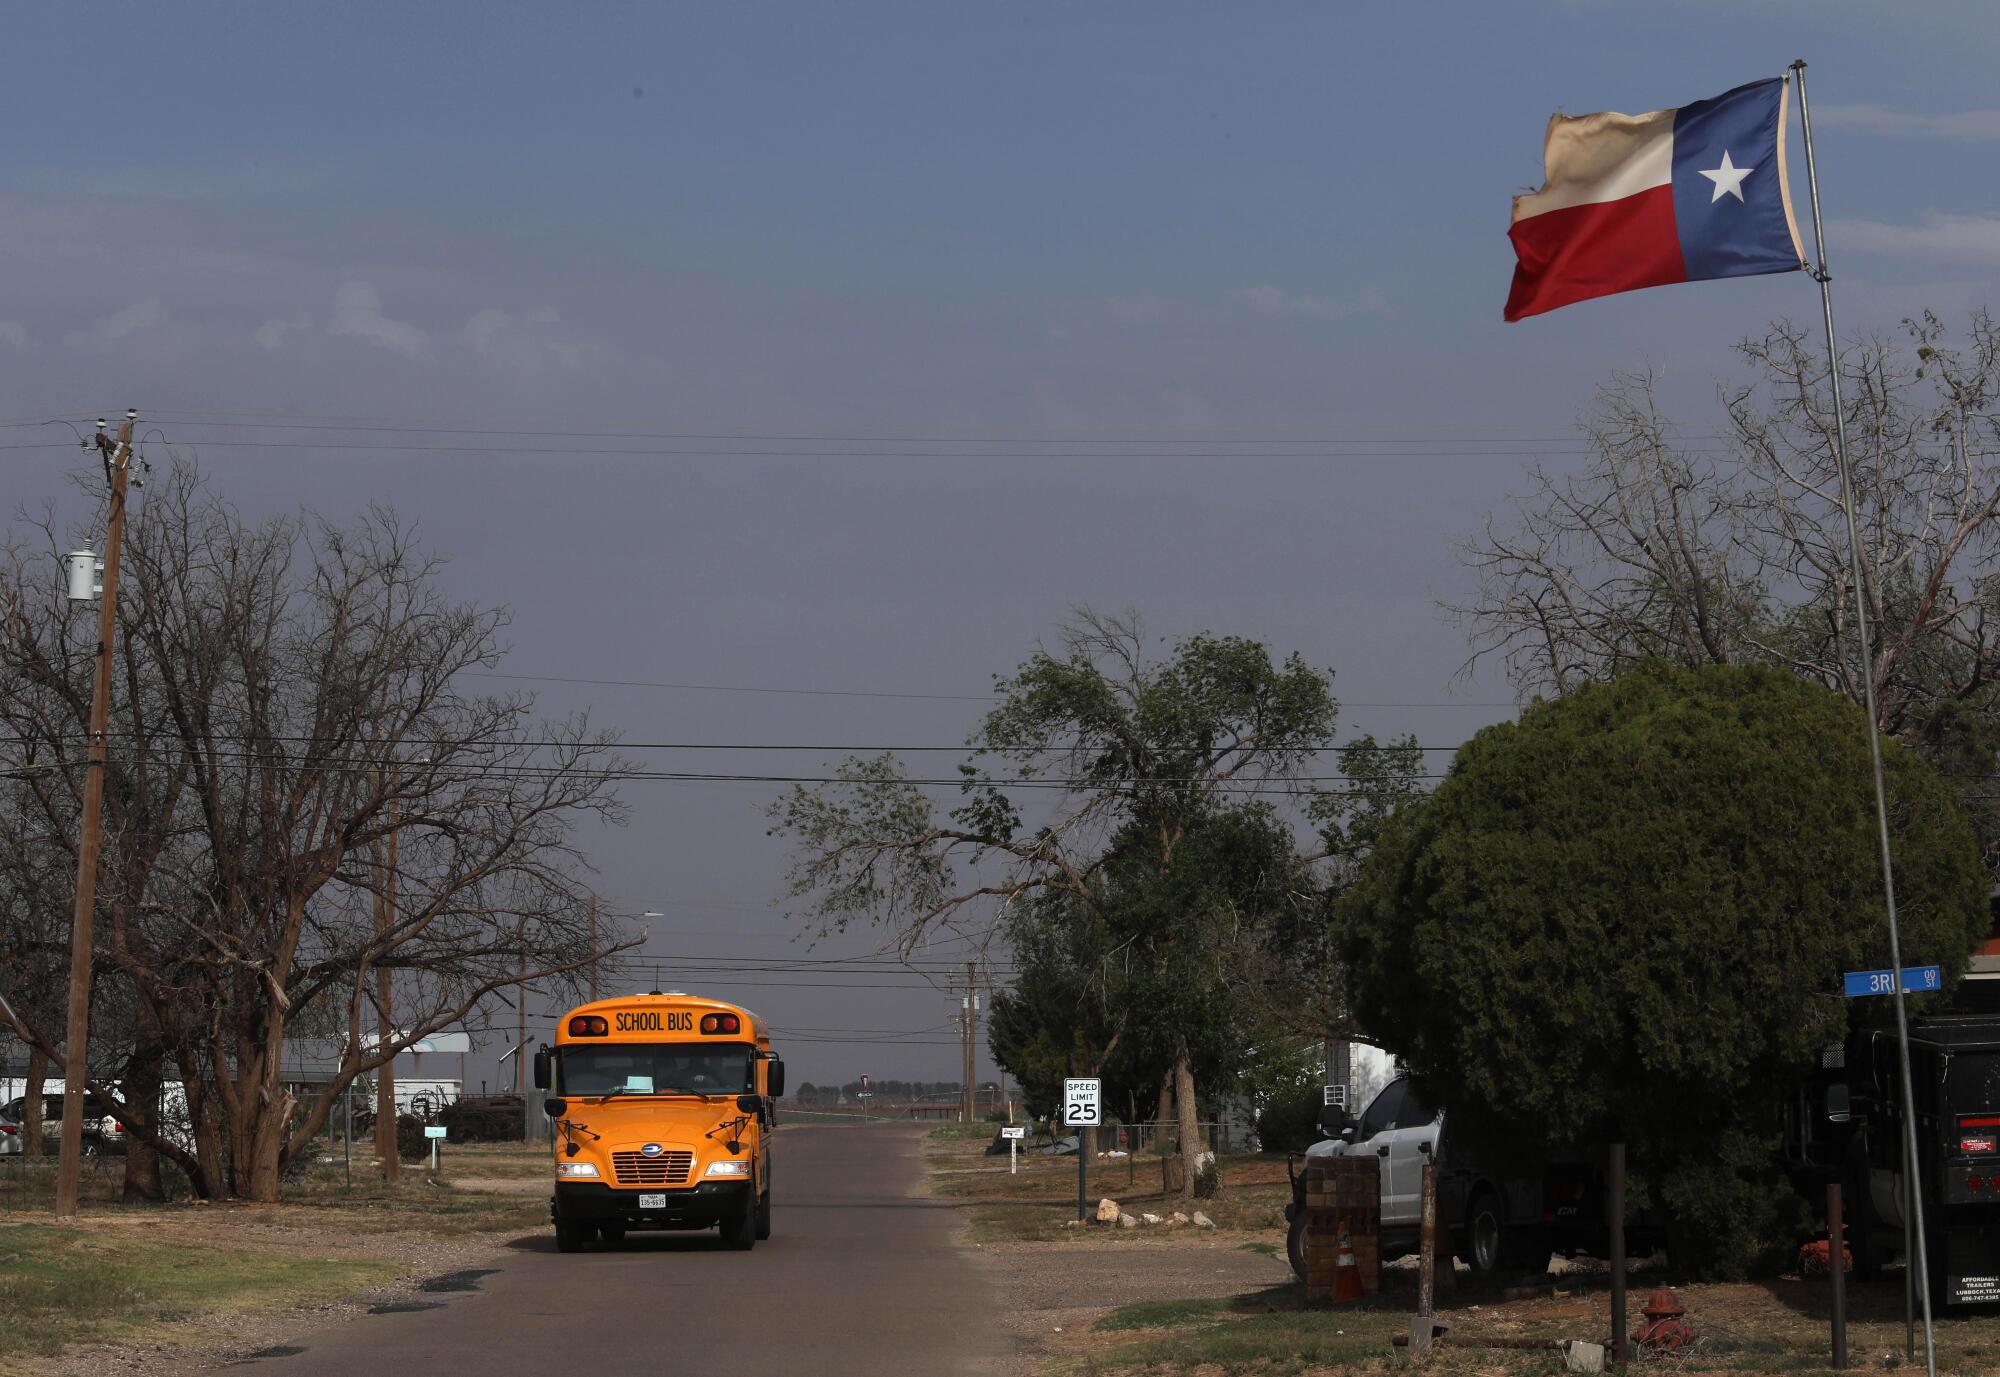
{"type": "Point", "coordinates": [1490, 1219]}
{"type": "Point", "coordinates": [101, 1130]}
{"type": "Point", "coordinates": [10, 1136]}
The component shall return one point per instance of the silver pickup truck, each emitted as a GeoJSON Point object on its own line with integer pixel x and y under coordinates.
{"type": "Point", "coordinates": [1493, 1221]}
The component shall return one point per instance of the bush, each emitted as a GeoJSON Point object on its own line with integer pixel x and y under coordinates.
{"type": "Point", "coordinates": [411, 1145]}
{"type": "Point", "coordinates": [1290, 1120]}
{"type": "Point", "coordinates": [1624, 918]}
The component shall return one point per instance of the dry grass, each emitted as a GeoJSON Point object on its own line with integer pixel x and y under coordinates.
{"type": "Point", "coordinates": [1772, 1327]}
{"type": "Point", "coordinates": [164, 1273]}
{"type": "Point", "coordinates": [65, 1285]}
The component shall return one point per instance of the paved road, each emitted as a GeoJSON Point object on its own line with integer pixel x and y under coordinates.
{"type": "Point", "coordinates": [859, 1276]}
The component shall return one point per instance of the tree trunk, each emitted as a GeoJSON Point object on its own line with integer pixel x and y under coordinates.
{"type": "Point", "coordinates": [213, 1179]}
{"type": "Point", "coordinates": [1190, 1127]}
{"type": "Point", "coordinates": [31, 1104]}
{"type": "Point", "coordinates": [144, 1084]}
{"type": "Point", "coordinates": [1163, 1116]}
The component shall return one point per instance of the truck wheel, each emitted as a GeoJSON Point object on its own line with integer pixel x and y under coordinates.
{"type": "Point", "coordinates": [739, 1230]}
{"type": "Point", "coordinates": [1295, 1245]}
{"type": "Point", "coordinates": [764, 1215]}
{"type": "Point", "coordinates": [571, 1235]}
{"type": "Point", "coordinates": [1486, 1241]}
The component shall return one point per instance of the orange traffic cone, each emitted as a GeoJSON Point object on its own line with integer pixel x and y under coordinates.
{"type": "Point", "coordinates": [1346, 1272]}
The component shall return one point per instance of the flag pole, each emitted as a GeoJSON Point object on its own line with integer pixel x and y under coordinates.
{"type": "Point", "coordinates": [1917, 1263]}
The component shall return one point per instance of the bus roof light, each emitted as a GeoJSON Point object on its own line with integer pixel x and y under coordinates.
{"type": "Point", "coordinates": [721, 1023]}
{"type": "Point", "coordinates": [589, 1026]}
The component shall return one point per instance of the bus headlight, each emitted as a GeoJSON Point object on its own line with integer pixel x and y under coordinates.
{"type": "Point", "coordinates": [573, 1170]}
{"type": "Point", "coordinates": [726, 1167]}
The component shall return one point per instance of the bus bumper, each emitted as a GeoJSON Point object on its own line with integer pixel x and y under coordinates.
{"type": "Point", "coordinates": [688, 1207]}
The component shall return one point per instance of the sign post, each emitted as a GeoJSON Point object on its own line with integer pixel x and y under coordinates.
{"type": "Point", "coordinates": [435, 1132]}
{"type": "Point", "coordinates": [1013, 1133]}
{"type": "Point", "coordinates": [1082, 1102]}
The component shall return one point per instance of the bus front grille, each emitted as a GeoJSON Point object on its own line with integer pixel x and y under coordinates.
{"type": "Point", "coordinates": [637, 1169]}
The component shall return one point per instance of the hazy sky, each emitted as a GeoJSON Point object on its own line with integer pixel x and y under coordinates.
{"type": "Point", "coordinates": [1018, 235]}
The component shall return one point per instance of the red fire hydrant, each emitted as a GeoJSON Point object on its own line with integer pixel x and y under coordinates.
{"type": "Point", "coordinates": [1666, 1329]}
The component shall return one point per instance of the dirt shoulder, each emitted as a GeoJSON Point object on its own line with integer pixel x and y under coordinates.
{"type": "Point", "coordinates": [1159, 1300]}
{"type": "Point", "coordinates": [1056, 1279]}
{"type": "Point", "coordinates": [187, 1286]}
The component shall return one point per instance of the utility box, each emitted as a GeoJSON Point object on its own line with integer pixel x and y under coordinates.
{"type": "Point", "coordinates": [1343, 1196]}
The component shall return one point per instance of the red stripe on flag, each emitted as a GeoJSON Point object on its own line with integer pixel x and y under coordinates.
{"type": "Point", "coordinates": [1580, 252]}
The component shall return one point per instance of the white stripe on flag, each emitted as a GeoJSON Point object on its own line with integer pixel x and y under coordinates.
{"type": "Point", "coordinates": [1602, 157]}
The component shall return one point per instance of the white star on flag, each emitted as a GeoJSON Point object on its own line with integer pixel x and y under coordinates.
{"type": "Point", "coordinates": [1728, 179]}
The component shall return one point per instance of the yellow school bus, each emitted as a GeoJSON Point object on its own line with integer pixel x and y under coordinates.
{"type": "Point", "coordinates": [663, 1114]}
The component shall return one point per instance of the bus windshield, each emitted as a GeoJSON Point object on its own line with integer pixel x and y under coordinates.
{"type": "Point", "coordinates": [658, 1069]}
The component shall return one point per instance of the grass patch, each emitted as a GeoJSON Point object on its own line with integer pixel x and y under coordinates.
{"type": "Point", "coordinates": [63, 1286]}
{"type": "Point", "coordinates": [1166, 1314]}
{"type": "Point", "coordinates": [1270, 1345]}
{"type": "Point", "coordinates": [956, 1132]}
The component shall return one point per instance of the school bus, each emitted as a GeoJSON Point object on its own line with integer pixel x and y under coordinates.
{"type": "Point", "coordinates": [662, 1104]}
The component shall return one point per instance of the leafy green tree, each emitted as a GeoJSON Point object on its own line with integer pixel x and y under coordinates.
{"type": "Point", "coordinates": [1117, 785]}
{"type": "Point", "coordinates": [1624, 918]}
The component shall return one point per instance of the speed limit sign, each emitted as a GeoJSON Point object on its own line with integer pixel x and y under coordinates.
{"type": "Point", "coordinates": [1080, 1103]}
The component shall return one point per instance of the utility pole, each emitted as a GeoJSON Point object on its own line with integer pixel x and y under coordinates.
{"type": "Point", "coordinates": [970, 1007]}
{"type": "Point", "coordinates": [76, 1045]}
{"type": "Point", "coordinates": [385, 1031]}
{"type": "Point", "coordinates": [593, 946]}
{"type": "Point", "coordinates": [521, 1012]}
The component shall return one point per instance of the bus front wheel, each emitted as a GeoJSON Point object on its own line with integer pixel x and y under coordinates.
{"type": "Point", "coordinates": [739, 1230]}
{"type": "Point", "coordinates": [572, 1235]}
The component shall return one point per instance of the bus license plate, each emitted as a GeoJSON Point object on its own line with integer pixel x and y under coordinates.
{"type": "Point", "coordinates": [653, 1202]}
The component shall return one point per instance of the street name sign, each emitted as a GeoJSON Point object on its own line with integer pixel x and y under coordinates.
{"type": "Point", "coordinates": [1081, 1099]}
{"type": "Point", "coordinates": [1916, 980]}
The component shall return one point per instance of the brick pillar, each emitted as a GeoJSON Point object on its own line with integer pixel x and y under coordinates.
{"type": "Point", "coordinates": [1343, 1195]}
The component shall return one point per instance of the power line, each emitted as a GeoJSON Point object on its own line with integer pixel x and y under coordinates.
{"type": "Point", "coordinates": [860, 693]}
{"type": "Point", "coordinates": [613, 451]}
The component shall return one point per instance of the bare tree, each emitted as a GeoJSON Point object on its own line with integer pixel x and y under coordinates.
{"type": "Point", "coordinates": [292, 700]}
{"type": "Point", "coordinates": [1732, 548]}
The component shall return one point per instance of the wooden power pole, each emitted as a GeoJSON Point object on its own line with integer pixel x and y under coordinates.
{"type": "Point", "coordinates": [593, 946]}
{"type": "Point", "coordinates": [76, 1046]}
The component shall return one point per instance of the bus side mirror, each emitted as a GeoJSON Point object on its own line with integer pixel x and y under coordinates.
{"type": "Point", "coordinates": [543, 1058]}
{"type": "Point", "coordinates": [1839, 1104]}
{"type": "Point", "coordinates": [774, 1078]}
{"type": "Point", "coordinates": [749, 1104]}
{"type": "Point", "coordinates": [1332, 1119]}
{"type": "Point", "coordinates": [554, 1107]}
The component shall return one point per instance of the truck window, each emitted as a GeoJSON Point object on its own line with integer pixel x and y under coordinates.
{"type": "Point", "coordinates": [657, 1069]}
{"type": "Point", "coordinates": [1383, 1110]}
{"type": "Point", "coordinates": [1973, 1082]}
{"type": "Point", "coordinates": [1413, 1112]}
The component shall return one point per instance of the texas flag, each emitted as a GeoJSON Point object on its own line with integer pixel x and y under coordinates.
{"type": "Point", "coordinates": [1643, 200]}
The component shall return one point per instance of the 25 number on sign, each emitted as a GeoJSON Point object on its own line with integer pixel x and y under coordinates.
{"type": "Point", "coordinates": [1081, 1100]}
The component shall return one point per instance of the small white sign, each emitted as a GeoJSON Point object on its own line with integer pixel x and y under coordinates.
{"type": "Point", "coordinates": [1081, 1099]}
{"type": "Point", "coordinates": [1017, 1131]}
{"type": "Point", "coordinates": [434, 1130]}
